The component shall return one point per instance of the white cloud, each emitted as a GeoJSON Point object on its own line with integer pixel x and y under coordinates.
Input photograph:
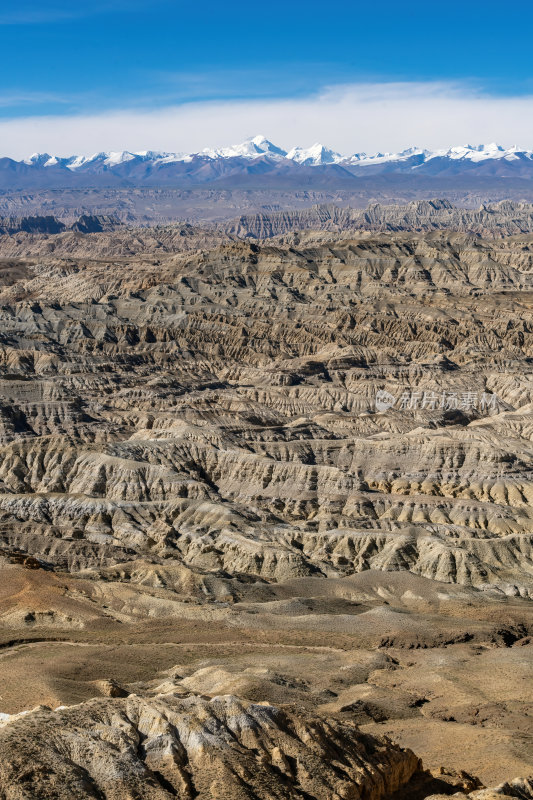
{"type": "Point", "coordinates": [33, 12]}
{"type": "Point", "coordinates": [348, 118]}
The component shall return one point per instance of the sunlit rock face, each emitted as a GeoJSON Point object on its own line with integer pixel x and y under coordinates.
{"type": "Point", "coordinates": [192, 747]}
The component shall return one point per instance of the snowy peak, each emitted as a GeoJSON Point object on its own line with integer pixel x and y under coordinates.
{"type": "Point", "coordinates": [480, 152]}
{"type": "Point", "coordinates": [265, 146]}
{"type": "Point", "coordinates": [110, 159]}
{"type": "Point", "coordinates": [251, 148]}
{"type": "Point", "coordinates": [314, 156]}
{"type": "Point", "coordinates": [385, 158]}
{"type": "Point", "coordinates": [41, 160]}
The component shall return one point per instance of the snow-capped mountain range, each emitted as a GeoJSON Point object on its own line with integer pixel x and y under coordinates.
{"type": "Point", "coordinates": [260, 147]}
{"type": "Point", "coordinates": [257, 163]}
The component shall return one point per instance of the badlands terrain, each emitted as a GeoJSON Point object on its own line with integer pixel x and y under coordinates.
{"type": "Point", "coordinates": [266, 524]}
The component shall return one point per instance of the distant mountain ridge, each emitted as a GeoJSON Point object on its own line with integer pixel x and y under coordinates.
{"type": "Point", "coordinates": [260, 147]}
{"type": "Point", "coordinates": [258, 162]}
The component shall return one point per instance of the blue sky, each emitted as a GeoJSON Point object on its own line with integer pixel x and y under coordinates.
{"type": "Point", "coordinates": [143, 58]}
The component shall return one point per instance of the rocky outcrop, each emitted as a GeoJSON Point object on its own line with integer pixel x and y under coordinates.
{"type": "Point", "coordinates": [193, 747]}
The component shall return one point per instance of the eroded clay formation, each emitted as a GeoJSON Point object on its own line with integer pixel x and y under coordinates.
{"type": "Point", "coordinates": [292, 476]}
